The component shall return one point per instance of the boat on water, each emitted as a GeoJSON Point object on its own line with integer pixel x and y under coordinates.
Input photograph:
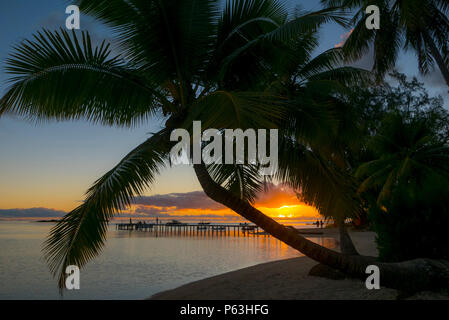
{"type": "Point", "coordinates": [175, 223]}
{"type": "Point", "coordinates": [203, 225]}
{"type": "Point", "coordinates": [246, 227]}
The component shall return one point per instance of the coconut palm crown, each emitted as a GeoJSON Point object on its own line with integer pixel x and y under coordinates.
{"type": "Point", "coordinates": [418, 25]}
{"type": "Point", "coordinates": [183, 59]}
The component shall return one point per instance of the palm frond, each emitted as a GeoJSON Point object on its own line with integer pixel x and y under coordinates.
{"type": "Point", "coordinates": [280, 36]}
{"type": "Point", "coordinates": [405, 153]}
{"type": "Point", "coordinates": [173, 39]}
{"type": "Point", "coordinates": [81, 234]}
{"type": "Point", "coordinates": [317, 181]}
{"type": "Point", "coordinates": [387, 43]}
{"type": "Point", "coordinates": [345, 76]}
{"type": "Point", "coordinates": [330, 59]}
{"type": "Point", "coordinates": [350, 4]}
{"type": "Point", "coordinates": [308, 22]}
{"type": "Point", "coordinates": [243, 180]}
{"type": "Point", "coordinates": [62, 77]}
{"type": "Point", "coordinates": [422, 24]}
{"type": "Point", "coordinates": [226, 109]}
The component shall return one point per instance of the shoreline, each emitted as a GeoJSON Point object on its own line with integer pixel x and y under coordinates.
{"type": "Point", "coordinates": [288, 279]}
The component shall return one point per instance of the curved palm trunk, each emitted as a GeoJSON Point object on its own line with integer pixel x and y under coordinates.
{"type": "Point", "coordinates": [346, 244]}
{"type": "Point", "coordinates": [437, 56]}
{"type": "Point", "coordinates": [412, 276]}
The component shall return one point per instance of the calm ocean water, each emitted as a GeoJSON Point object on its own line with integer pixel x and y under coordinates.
{"type": "Point", "coordinates": [133, 265]}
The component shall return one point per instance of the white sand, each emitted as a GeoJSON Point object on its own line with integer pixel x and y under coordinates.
{"type": "Point", "coordinates": [287, 280]}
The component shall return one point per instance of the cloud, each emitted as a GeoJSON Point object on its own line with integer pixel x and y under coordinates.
{"type": "Point", "coordinates": [366, 61]}
{"type": "Point", "coordinates": [31, 213]}
{"type": "Point", "coordinates": [275, 196]}
{"type": "Point", "coordinates": [179, 201]}
{"type": "Point", "coordinates": [343, 38]}
{"type": "Point", "coordinates": [175, 205]}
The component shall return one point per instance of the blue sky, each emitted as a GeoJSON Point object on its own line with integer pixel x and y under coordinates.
{"type": "Point", "coordinates": [52, 164]}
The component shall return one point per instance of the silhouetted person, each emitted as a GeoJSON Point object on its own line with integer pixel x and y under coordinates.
{"type": "Point", "coordinates": [321, 223]}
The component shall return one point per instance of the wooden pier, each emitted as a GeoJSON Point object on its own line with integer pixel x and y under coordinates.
{"type": "Point", "coordinates": [190, 228]}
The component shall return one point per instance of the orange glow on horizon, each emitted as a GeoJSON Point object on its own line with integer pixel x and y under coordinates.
{"type": "Point", "coordinates": [294, 209]}
{"type": "Point", "coordinates": [277, 202]}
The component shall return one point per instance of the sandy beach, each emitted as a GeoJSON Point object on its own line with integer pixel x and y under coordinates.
{"type": "Point", "coordinates": [288, 280]}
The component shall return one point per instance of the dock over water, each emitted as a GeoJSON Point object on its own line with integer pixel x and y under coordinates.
{"type": "Point", "coordinates": [165, 228]}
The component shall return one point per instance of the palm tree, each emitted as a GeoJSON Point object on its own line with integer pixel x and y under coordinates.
{"type": "Point", "coordinates": [420, 25]}
{"type": "Point", "coordinates": [405, 153]}
{"type": "Point", "coordinates": [185, 60]}
{"type": "Point", "coordinates": [181, 59]}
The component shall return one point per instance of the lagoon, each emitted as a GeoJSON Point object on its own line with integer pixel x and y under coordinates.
{"type": "Point", "coordinates": [133, 265]}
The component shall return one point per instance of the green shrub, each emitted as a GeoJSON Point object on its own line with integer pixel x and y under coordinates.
{"type": "Point", "coordinates": [415, 223]}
